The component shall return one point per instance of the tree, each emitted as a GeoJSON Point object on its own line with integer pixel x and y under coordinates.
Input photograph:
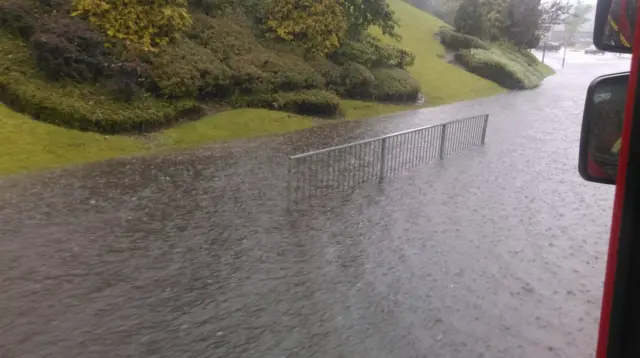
{"type": "Point", "coordinates": [470, 19]}
{"type": "Point", "coordinates": [143, 25]}
{"type": "Point", "coordinates": [553, 12]}
{"type": "Point", "coordinates": [523, 23]}
{"type": "Point", "coordinates": [577, 18]}
{"type": "Point", "coordinates": [362, 14]}
{"type": "Point", "coordinates": [319, 25]}
{"type": "Point", "coordinates": [495, 13]}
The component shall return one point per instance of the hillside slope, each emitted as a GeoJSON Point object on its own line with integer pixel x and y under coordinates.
{"type": "Point", "coordinates": [441, 82]}
{"type": "Point", "coordinates": [30, 145]}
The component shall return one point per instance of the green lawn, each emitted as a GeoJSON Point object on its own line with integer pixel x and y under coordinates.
{"type": "Point", "coordinates": [441, 82]}
{"type": "Point", "coordinates": [26, 144]}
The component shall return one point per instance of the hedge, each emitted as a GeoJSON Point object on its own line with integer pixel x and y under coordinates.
{"type": "Point", "coordinates": [395, 85]}
{"type": "Point", "coordinates": [498, 68]}
{"type": "Point", "coordinates": [67, 47]}
{"type": "Point", "coordinates": [456, 41]}
{"type": "Point", "coordinates": [370, 52]}
{"type": "Point", "coordinates": [310, 102]}
{"type": "Point", "coordinates": [79, 106]}
{"type": "Point", "coordinates": [187, 70]}
{"type": "Point", "coordinates": [19, 17]}
{"type": "Point", "coordinates": [357, 82]}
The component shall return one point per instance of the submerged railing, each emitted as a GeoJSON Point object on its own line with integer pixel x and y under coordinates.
{"type": "Point", "coordinates": [339, 168]}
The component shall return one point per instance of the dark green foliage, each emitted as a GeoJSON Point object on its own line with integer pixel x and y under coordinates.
{"type": "Point", "coordinates": [56, 5]}
{"type": "Point", "coordinates": [186, 70]}
{"type": "Point", "coordinates": [362, 14]}
{"type": "Point", "coordinates": [455, 41]}
{"type": "Point", "coordinates": [212, 7]}
{"type": "Point", "coordinates": [309, 102]}
{"type": "Point", "coordinates": [282, 72]}
{"type": "Point", "coordinates": [226, 37]}
{"type": "Point", "coordinates": [66, 47]}
{"type": "Point", "coordinates": [470, 19]}
{"type": "Point", "coordinates": [80, 106]}
{"type": "Point", "coordinates": [356, 81]}
{"type": "Point", "coordinates": [523, 23]}
{"type": "Point", "coordinates": [19, 17]}
{"type": "Point", "coordinates": [395, 85]}
{"type": "Point", "coordinates": [370, 52]}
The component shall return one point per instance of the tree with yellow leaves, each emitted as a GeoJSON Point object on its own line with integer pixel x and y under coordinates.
{"type": "Point", "coordinates": [319, 25]}
{"type": "Point", "coordinates": [142, 25]}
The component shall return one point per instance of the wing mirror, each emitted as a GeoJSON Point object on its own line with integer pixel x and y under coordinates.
{"type": "Point", "coordinates": [602, 128]}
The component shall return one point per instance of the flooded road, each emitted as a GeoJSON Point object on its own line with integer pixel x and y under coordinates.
{"type": "Point", "coordinates": [495, 252]}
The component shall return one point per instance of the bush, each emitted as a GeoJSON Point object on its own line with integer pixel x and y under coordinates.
{"type": "Point", "coordinates": [225, 37]}
{"type": "Point", "coordinates": [357, 82]}
{"type": "Point", "coordinates": [329, 71]}
{"type": "Point", "coordinates": [18, 17]}
{"type": "Point", "coordinates": [455, 41]}
{"type": "Point", "coordinates": [370, 52]}
{"type": "Point", "coordinates": [66, 47]}
{"type": "Point", "coordinates": [498, 68]}
{"type": "Point", "coordinates": [78, 106]}
{"type": "Point", "coordinates": [187, 70]}
{"type": "Point", "coordinates": [395, 85]}
{"type": "Point", "coordinates": [140, 24]}
{"type": "Point", "coordinates": [310, 103]}
{"type": "Point", "coordinates": [276, 72]}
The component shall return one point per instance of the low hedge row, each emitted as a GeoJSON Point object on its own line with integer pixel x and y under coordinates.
{"type": "Point", "coordinates": [79, 106]}
{"type": "Point", "coordinates": [499, 68]}
{"type": "Point", "coordinates": [308, 102]}
{"type": "Point", "coordinates": [456, 41]}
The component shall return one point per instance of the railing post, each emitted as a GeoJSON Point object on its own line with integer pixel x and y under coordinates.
{"type": "Point", "coordinates": [383, 159]}
{"type": "Point", "coordinates": [484, 128]}
{"type": "Point", "coordinates": [443, 138]}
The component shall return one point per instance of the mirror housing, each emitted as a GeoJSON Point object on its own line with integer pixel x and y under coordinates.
{"type": "Point", "coordinates": [602, 127]}
{"type": "Point", "coordinates": [614, 25]}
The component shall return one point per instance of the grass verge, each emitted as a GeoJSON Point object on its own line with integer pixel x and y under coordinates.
{"type": "Point", "coordinates": [28, 145]}
{"type": "Point", "coordinates": [441, 82]}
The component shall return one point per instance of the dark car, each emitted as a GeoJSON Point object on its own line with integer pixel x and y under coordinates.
{"type": "Point", "coordinates": [592, 50]}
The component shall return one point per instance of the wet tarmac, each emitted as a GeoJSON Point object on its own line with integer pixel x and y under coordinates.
{"type": "Point", "coordinates": [495, 252]}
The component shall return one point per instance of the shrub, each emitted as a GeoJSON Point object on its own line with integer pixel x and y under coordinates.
{"type": "Point", "coordinates": [395, 85]}
{"type": "Point", "coordinates": [456, 41]}
{"type": "Point", "coordinates": [78, 106]}
{"type": "Point", "coordinates": [185, 69]}
{"type": "Point", "coordinates": [357, 81]}
{"type": "Point", "coordinates": [393, 56]}
{"type": "Point", "coordinates": [65, 47]}
{"type": "Point", "coordinates": [226, 37]}
{"type": "Point", "coordinates": [142, 25]}
{"type": "Point", "coordinates": [18, 17]}
{"type": "Point", "coordinates": [370, 52]}
{"type": "Point", "coordinates": [278, 72]}
{"type": "Point", "coordinates": [310, 102]}
{"type": "Point", "coordinates": [66, 105]}
{"type": "Point", "coordinates": [497, 68]}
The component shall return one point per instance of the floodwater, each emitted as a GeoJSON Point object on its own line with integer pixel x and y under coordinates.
{"type": "Point", "coordinates": [494, 252]}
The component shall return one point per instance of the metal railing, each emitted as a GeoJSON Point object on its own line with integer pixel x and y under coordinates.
{"type": "Point", "coordinates": [339, 168]}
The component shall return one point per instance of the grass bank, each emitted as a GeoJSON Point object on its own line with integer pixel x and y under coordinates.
{"type": "Point", "coordinates": [26, 144]}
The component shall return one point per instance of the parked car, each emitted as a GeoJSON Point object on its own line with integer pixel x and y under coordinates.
{"type": "Point", "coordinates": [550, 46]}
{"type": "Point", "coordinates": [592, 50]}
